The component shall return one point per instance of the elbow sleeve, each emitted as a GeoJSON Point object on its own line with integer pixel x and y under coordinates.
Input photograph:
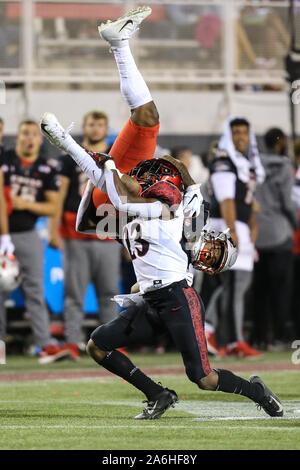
{"type": "Point", "coordinates": [148, 210]}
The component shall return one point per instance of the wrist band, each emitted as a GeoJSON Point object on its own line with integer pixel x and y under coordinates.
{"type": "Point", "coordinates": [109, 165]}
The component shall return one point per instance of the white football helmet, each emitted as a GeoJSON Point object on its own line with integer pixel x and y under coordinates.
{"type": "Point", "coordinates": [10, 274]}
{"type": "Point", "coordinates": [213, 244]}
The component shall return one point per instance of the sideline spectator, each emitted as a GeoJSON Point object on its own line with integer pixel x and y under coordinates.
{"type": "Point", "coordinates": [277, 218]}
{"type": "Point", "coordinates": [86, 257]}
{"type": "Point", "coordinates": [295, 311]}
{"type": "Point", "coordinates": [31, 189]}
{"type": "Point", "coordinates": [234, 172]}
{"type": "Point", "coordinates": [6, 245]}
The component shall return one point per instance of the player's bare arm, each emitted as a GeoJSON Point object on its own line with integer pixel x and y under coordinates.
{"type": "Point", "coordinates": [6, 244]}
{"type": "Point", "coordinates": [3, 213]}
{"type": "Point", "coordinates": [228, 211]}
{"type": "Point", "coordinates": [55, 239]}
{"type": "Point", "coordinates": [126, 196]}
{"type": "Point", "coordinates": [46, 208]}
{"type": "Point", "coordinates": [253, 227]}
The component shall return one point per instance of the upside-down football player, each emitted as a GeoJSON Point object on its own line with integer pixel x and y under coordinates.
{"type": "Point", "coordinates": [154, 196]}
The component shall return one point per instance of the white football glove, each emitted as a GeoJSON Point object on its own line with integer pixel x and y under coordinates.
{"type": "Point", "coordinates": [192, 201]}
{"type": "Point", "coordinates": [6, 245]}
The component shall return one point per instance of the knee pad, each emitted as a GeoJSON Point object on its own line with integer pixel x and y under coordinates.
{"type": "Point", "coordinates": [98, 337]}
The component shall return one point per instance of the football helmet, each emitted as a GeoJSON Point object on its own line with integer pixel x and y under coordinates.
{"type": "Point", "coordinates": [214, 252]}
{"type": "Point", "coordinates": [10, 274]}
{"type": "Point", "coordinates": [158, 169]}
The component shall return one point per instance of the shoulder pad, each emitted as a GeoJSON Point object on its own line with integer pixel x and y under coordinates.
{"type": "Point", "coordinates": [222, 163]}
{"type": "Point", "coordinates": [165, 192]}
{"type": "Point", "coordinates": [220, 153]}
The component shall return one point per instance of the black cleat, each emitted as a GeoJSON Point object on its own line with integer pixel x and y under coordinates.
{"type": "Point", "coordinates": [270, 402]}
{"type": "Point", "coordinates": [156, 408]}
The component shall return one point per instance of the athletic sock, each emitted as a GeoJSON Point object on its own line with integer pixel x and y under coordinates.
{"type": "Point", "coordinates": [133, 87]}
{"type": "Point", "coordinates": [231, 383]}
{"type": "Point", "coordinates": [119, 364]}
{"type": "Point", "coordinates": [85, 162]}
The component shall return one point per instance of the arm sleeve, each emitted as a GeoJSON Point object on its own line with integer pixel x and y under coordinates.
{"type": "Point", "coordinates": [223, 183]}
{"type": "Point", "coordinates": [151, 210]}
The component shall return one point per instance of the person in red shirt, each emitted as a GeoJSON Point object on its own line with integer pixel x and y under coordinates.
{"type": "Point", "coordinates": [31, 191]}
{"type": "Point", "coordinates": [296, 248]}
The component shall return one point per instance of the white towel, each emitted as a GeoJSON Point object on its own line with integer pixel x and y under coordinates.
{"type": "Point", "coordinates": [242, 164]}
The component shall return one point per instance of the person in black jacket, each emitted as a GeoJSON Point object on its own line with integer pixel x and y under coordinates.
{"type": "Point", "coordinates": [235, 170]}
{"type": "Point", "coordinates": [277, 219]}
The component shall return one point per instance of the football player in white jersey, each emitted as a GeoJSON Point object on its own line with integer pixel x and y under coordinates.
{"type": "Point", "coordinates": [154, 197]}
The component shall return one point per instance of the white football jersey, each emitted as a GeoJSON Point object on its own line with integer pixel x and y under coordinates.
{"type": "Point", "coordinates": [157, 256]}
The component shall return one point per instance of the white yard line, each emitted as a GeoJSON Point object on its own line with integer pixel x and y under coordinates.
{"type": "Point", "coordinates": [147, 425]}
{"type": "Point", "coordinates": [203, 411]}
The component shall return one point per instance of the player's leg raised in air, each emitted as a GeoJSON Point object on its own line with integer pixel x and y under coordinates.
{"type": "Point", "coordinates": [137, 140]}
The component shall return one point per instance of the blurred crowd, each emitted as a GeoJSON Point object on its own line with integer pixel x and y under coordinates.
{"type": "Point", "coordinates": [262, 35]}
{"type": "Point", "coordinates": [252, 308]}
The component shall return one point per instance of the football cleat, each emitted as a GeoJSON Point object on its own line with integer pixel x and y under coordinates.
{"type": "Point", "coordinates": [54, 132]}
{"type": "Point", "coordinates": [125, 26]}
{"type": "Point", "coordinates": [74, 351]}
{"type": "Point", "coordinates": [270, 403]}
{"type": "Point", "coordinates": [156, 408]}
{"type": "Point", "coordinates": [52, 353]}
{"type": "Point", "coordinates": [243, 349]}
{"type": "Point", "coordinates": [223, 351]}
{"type": "Point", "coordinates": [212, 347]}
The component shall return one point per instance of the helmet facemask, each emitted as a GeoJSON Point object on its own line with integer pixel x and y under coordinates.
{"type": "Point", "coordinates": [158, 170]}
{"type": "Point", "coordinates": [211, 253]}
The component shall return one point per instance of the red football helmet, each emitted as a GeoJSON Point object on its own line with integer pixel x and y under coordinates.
{"type": "Point", "coordinates": [158, 169]}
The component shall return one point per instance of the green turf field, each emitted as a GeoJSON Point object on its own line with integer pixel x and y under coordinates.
{"type": "Point", "coordinates": [97, 412]}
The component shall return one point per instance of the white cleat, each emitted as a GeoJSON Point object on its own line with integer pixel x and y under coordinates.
{"type": "Point", "coordinates": [54, 132]}
{"type": "Point", "coordinates": [125, 26]}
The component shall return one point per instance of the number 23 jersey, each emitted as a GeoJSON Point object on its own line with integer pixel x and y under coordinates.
{"type": "Point", "coordinates": [154, 246]}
